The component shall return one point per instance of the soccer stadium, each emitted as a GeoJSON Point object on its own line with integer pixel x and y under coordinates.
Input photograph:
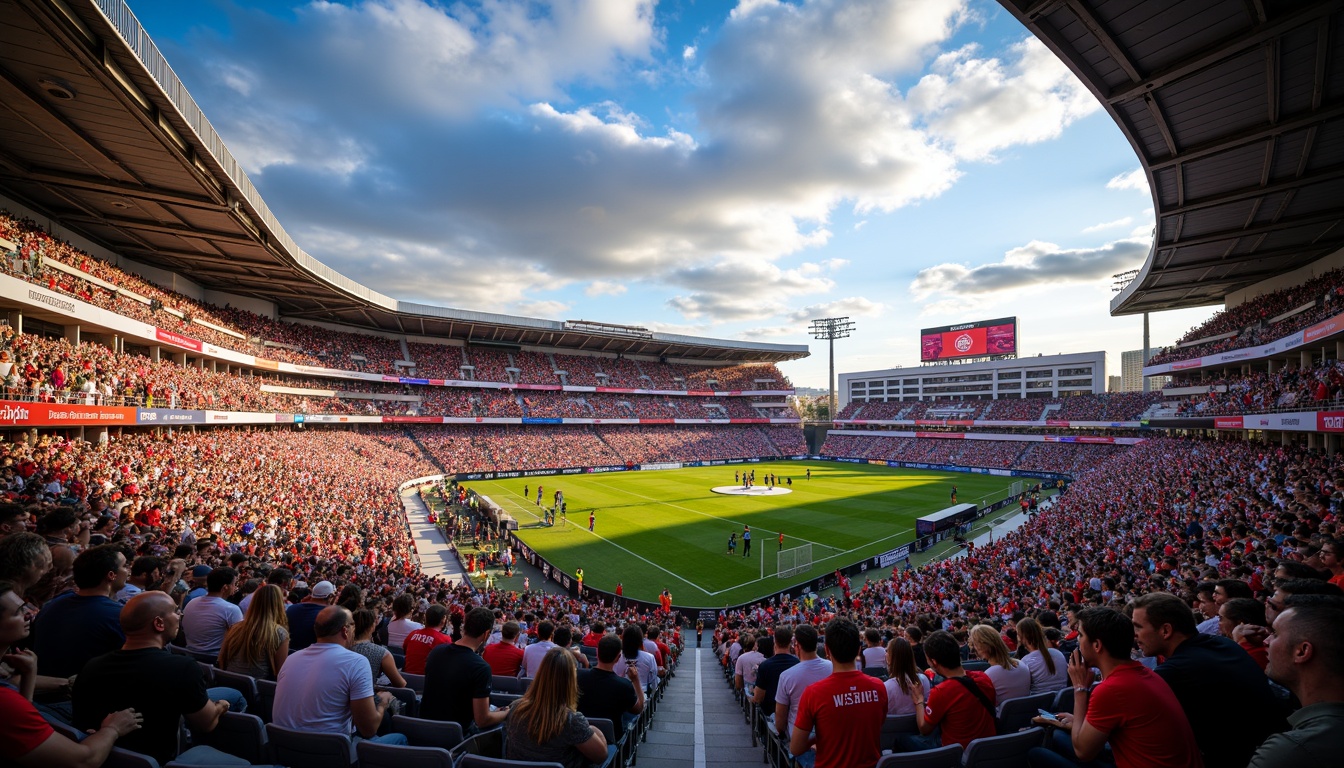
{"type": "Point", "coordinates": [260, 512]}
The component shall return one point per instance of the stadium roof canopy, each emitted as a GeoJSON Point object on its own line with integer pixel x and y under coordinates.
{"type": "Point", "coordinates": [1236, 111]}
{"type": "Point", "coordinates": [97, 133]}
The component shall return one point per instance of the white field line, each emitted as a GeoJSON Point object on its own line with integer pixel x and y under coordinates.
{"type": "Point", "coordinates": [814, 562]}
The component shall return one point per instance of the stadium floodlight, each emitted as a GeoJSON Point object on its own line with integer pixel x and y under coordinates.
{"type": "Point", "coordinates": [830, 329]}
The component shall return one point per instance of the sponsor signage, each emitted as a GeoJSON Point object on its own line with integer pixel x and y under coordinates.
{"type": "Point", "coordinates": [177, 340]}
{"type": "Point", "coordinates": [892, 556]}
{"type": "Point", "coordinates": [1330, 421]}
{"type": "Point", "coordinates": [168, 416]}
{"type": "Point", "coordinates": [64, 415]}
{"type": "Point", "coordinates": [1227, 422]}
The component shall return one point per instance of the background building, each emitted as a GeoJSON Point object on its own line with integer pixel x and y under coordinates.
{"type": "Point", "coordinates": [1131, 372]}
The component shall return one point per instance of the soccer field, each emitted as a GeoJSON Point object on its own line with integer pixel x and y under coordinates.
{"type": "Point", "coordinates": [668, 529]}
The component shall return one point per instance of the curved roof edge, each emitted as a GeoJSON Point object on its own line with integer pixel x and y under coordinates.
{"type": "Point", "coordinates": [144, 51]}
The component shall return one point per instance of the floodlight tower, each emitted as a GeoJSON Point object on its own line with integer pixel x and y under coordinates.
{"type": "Point", "coordinates": [830, 329]}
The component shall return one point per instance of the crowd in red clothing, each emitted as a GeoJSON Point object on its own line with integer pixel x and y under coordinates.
{"type": "Point", "coordinates": [1318, 388]}
{"type": "Point", "coordinates": [1251, 320]}
{"type": "Point", "coordinates": [1110, 406]}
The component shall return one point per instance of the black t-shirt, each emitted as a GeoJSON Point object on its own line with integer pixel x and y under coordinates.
{"type": "Point", "coordinates": [158, 684]}
{"type": "Point", "coordinates": [767, 676]}
{"type": "Point", "coordinates": [302, 619]}
{"type": "Point", "coordinates": [1225, 696]}
{"type": "Point", "coordinates": [605, 694]}
{"type": "Point", "coordinates": [454, 676]}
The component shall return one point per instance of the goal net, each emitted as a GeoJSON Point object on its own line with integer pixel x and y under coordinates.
{"type": "Point", "coordinates": [1017, 488]}
{"type": "Point", "coordinates": [794, 561]}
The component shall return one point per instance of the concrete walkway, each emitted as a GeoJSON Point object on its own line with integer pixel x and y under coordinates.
{"type": "Point", "coordinates": [698, 723]}
{"type": "Point", "coordinates": [436, 557]}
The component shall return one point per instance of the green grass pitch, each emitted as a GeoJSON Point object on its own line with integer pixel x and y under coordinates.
{"type": "Point", "coordinates": [667, 529]}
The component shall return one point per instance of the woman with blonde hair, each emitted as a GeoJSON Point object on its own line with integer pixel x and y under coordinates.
{"type": "Point", "coordinates": [259, 644]}
{"type": "Point", "coordinates": [1049, 668]}
{"type": "Point", "coordinates": [545, 725]}
{"type": "Point", "coordinates": [903, 679]}
{"type": "Point", "coordinates": [1011, 679]}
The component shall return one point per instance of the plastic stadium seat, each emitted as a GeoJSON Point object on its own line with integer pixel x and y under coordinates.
{"type": "Point", "coordinates": [942, 757]}
{"type": "Point", "coordinates": [265, 699]}
{"type": "Point", "coordinates": [484, 744]}
{"type": "Point", "coordinates": [608, 730]}
{"type": "Point", "coordinates": [502, 700]}
{"type": "Point", "coordinates": [1016, 714]}
{"type": "Point", "coordinates": [241, 735]}
{"type": "Point", "coordinates": [245, 684]}
{"type": "Point", "coordinates": [410, 703]}
{"type": "Point", "coordinates": [502, 684]}
{"type": "Point", "coordinates": [1007, 751]}
{"type": "Point", "coordinates": [427, 733]}
{"type": "Point", "coordinates": [300, 749]}
{"type": "Point", "coordinates": [897, 724]}
{"type": "Point", "coordinates": [975, 666]}
{"type": "Point", "coordinates": [479, 761]}
{"type": "Point", "coordinates": [879, 672]}
{"type": "Point", "coordinates": [372, 755]}
{"type": "Point", "coordinates": [414, 682]}
{"type": "Point", "coordinates": [125, 758]}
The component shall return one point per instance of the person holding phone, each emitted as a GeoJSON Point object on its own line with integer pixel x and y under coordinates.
{"type": "Point", "coordinates": [1132, 710]}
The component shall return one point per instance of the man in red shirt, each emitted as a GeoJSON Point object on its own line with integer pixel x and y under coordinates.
{"type": "Point", "coordinates": [842, 714]}
{"type": "Point", "coordinates": [595, 632]}
{"type": "Point", "coordinates": [1132, 708]}
{"type": "Point", "coordinates": [419, 643]}
{"type": "Point", "coordinates": [505, 657]}
{"type": "Point", "coordinates": [962, 705]}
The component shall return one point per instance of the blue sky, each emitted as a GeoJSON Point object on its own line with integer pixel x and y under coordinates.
{"type": "Point", "coordinates": [716, 169]}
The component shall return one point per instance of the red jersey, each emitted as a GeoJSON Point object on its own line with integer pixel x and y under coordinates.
{"type": "Point", "coordinates": [418, 644]}
{"type": "Point", "coordinates": [1144, 722]}
{"type": "Point", "coordinates": [962, 717]}
{"type": "Point", "coordinates": [505, 659]}
{"type": "Point", "coordinates": [847, 709]}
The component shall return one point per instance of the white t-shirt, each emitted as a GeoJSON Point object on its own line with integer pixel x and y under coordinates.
{"type": "Point", "coordinates": [1009, 683]}
{"type": "Point", "coordinates": [746, 667]}
{"type": "Point", "coordinates": [205, 621]}
{"type": "Point", "coordinates": [899, 702]}
{"type": "Point", "coordinates": [645, 665]}
{"type": "Point", "coordinates": [1041, 679]}
{"type": "Point", "coordinates": [398, 629]}
{"type": "Point", "coordinates": [315, 688]}
{"type": "Point", "coordinates": [875, 656]}
{"type": "Point", "coordinates": [532, 656]}
{"type": "Point", "coordinates": [794, 680]}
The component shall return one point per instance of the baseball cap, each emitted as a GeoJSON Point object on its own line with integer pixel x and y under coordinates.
{"type": "Point", "coordinates": [324, 589]}
{"type": "Point", "coordinates": [201, 571]}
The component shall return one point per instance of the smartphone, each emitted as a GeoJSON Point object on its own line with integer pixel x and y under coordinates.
{"type": "Point", "coordinates": [1047, 715]}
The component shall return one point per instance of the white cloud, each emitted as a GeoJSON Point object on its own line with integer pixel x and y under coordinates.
{"type": "Point", "coordinates": [541, 308]}
{"type": "Point", "coordinates": [1034, 264]}
{"type": "Point", "coordinates": [979, 106]}
{"type": "Point", "coordinates": [851, 306]}
{"type": "Point", "coordinates": [688, 53]}
{"type": "Point", "coordinates": [604, 288]}
{"type": "Point", "coordinates": [1121, 222]}
{"type": "Point", "coordinates": [1135, 180]}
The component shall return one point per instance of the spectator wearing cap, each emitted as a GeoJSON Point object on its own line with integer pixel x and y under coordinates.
{"type": "Point", "coordinates": [162, 686]}
{"type": "Point", "coordinates": [303, 615]}
{"type": "Point", "coordinates": [207, 619]}
{"type": "Point", "coordinates": [326, 687]}
{"type": "Point", "coordinates": [80, 625]}
{"type": "Point", "coordinates": [1306, 655]}
{"type": "Point", "coordinates": [199, 575]}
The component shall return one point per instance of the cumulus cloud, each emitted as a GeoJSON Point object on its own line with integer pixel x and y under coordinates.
{"type": "Point", "coordinates": [1124, 221]}
{"type": "Point", "coordinates": [408, 143]}
{"type": "Point", "coordinates": [1135, 180]}
{"type": "Point", "coordinates": [1036, 263]}
{"type": "Point", "coordinates": [981, 105]}
{"type": "Point", "coordinates": [851, 306]}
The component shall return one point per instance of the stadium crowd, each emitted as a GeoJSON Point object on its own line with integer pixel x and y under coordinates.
{"type": "Point", "coordinates": [1118, 406]}
{"type": "Point", "coordinates": [1251, 321]}
{"type": "Point", "coordinates": [1062, 458]}
{"type": "Point", "coordinates": [1318, 388]}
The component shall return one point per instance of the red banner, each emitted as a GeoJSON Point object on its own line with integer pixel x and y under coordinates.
{"type": "Point", "coordinates": [177, 339]}
{"type": "Point", "coordinates": [1227, 422]}
{"type": "Point", "coordinates": [942, 435]}
{"type": "Point", "coordinates": [1323, 329]}
{"type": "Point", "coordinates": [412, 419]}
{"type": "Point", "coordinates": [1330, 421]}
{"type": "Point", "coordinates": [54, 415]}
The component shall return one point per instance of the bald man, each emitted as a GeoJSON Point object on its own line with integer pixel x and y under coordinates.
{"type": "Point", "coordinates": [164, 687]}
{"type": "Point", "coordinates": [327, 688]}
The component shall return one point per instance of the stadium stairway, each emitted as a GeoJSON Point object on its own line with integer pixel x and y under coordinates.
{"type": "Point", "coordinates": [699, 723]}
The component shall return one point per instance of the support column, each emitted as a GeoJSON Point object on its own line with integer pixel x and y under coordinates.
{"type": "Point", "coordinates": [72, 334]}
{"type": "Point", "coordinates": [1272, 366]}
{"type": "Point", "coordinates": [1304, 360]}
{"type": "Point", "coordinates": [1143, 354]}
{"type": "Point", "coordinates": [156, 353]}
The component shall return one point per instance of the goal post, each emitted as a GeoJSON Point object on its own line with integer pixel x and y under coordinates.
{"type": "Point", "coordinates": [1017, 489]}
{"type": "Point", "coordinates": [794, 560]}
